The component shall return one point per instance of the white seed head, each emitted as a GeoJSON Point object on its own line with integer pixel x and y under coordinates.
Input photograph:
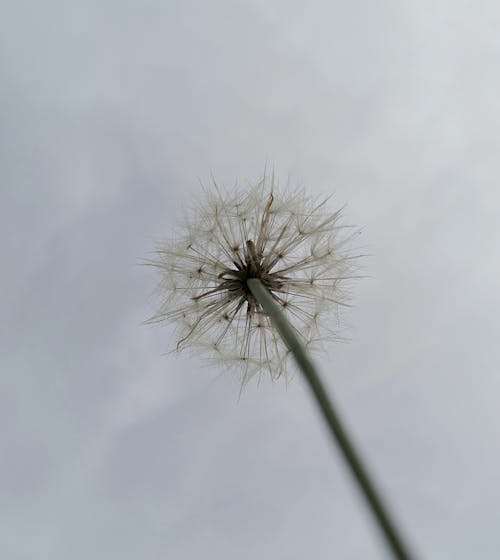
{"type": "Point", "coordinates": [299, 251]}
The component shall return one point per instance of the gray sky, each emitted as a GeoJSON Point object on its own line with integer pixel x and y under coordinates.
{"type": "Point", "coordinates": [110, 113]}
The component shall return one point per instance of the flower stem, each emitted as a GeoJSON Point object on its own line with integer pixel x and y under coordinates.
{"type": "Point", "coordinates": [335, 426]}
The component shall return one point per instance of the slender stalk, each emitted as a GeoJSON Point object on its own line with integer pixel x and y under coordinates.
{"type": "Point", "coordinates": [336, 428]}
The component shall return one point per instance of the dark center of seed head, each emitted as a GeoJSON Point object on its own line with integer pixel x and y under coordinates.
{"type": "Point", "coordinates": [250, 266]}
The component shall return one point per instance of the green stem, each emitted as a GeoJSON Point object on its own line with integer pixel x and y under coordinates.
{"type": "Point", "coordinates": [337, 430]}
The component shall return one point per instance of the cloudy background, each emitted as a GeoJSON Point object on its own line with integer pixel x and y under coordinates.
{"type": "Point", "coordinates": [110, 114]}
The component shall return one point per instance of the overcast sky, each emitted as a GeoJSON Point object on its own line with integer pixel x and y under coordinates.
{"type": "Point", "coordinates": [110, 115]}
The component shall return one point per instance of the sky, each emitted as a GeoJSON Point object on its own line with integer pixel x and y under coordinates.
{"type": "Point", "coordinates": [111, 114]}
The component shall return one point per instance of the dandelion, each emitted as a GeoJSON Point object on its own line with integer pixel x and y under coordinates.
{"type": "Point", "coordinates": [250, 279]}
{"type": "Point", "coordinates": [290, 242]}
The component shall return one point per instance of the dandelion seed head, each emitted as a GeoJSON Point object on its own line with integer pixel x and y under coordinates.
{"type": "Point", "coordinates": [300, 251]}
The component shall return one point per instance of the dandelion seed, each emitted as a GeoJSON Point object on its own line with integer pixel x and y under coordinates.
{"type": "Point", "coordinates": [298, 250]}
